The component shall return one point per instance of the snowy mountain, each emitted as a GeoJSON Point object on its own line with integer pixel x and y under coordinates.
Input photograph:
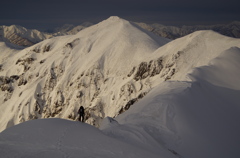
{"type": "Point", "coordinates": [196, 118]}
{"type": "Point", "coordinates": [173, 32]}
{"type": "Point", "coordinates": [106, 68]}
{"type": "Point", "coordinates": [53, 78]}
{"type": "Point", "coordinates": [21, 36]}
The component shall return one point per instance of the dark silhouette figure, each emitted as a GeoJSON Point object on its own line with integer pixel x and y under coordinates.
{"type": "Point", "coordinates": [81, 114]}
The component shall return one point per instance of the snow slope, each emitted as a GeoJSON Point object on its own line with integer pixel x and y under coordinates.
{"type": "Point", "coordinates": [55, 138]}
{"type": "Point", "coordinates": [197, 118]}
{"type": "Point", "coordinates": [7, 50]}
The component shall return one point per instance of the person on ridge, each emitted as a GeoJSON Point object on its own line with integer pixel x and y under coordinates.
{"type": "Point", "coordinates": [81, 114]}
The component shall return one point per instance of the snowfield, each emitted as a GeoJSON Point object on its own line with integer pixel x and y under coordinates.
{"type": "Point", "coordinates": [148, 96]}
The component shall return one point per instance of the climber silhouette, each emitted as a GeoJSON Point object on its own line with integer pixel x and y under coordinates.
{"type": "Point", "coordinates": [81, 114]}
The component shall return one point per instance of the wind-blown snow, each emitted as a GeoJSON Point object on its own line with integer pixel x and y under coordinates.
{"type": "Point", "coordinates": [197, 118]}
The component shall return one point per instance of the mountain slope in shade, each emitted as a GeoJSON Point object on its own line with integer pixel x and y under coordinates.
{"type": "Point", "coordinates": [197, 118]}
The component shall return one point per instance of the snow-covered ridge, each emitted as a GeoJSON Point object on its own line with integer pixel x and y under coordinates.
{"type": "Point", "coordinates": [106, 68]}
{"type": "Point", "coordinates": [197, 118]}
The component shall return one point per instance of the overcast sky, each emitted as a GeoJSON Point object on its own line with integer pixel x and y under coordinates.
{"type": "Point", "coordinates": [42, 14]}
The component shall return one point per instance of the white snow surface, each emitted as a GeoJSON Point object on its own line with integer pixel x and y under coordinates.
{"type": "Point", "coordinates": [56, 138]}
{"type": "Point", "coordinates": [196, 118]}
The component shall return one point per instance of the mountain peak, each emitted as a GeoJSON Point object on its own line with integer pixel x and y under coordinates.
{"type": "Point", "coordinates": [114, 18]}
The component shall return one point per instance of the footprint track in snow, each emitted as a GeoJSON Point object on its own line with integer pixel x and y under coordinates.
{"type": "Point", "coordinates": [59, 144]}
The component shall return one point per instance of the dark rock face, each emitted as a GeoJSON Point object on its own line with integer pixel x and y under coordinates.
{"type": "Point", "coordinates": [131, 102]}
{"type": "Point", "coordinates": [142, 71]}
{"type": "Point", "coordinates": [6, 85]}
{"type": "Point", "coordinates": [151, 69]}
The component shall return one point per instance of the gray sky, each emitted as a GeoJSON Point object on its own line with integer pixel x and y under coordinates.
{"type": "Point", "coordinates": [43, 14]}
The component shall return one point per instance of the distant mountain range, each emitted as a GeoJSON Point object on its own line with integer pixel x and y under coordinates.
{"type": "Point", "coordinates": [21, 36]}
{"type": "Point", "coordinates": [69, 29]}
{"type": "Point", "coordinates": [173, 32]}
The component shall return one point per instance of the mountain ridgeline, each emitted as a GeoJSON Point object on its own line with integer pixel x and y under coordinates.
{"type": "Point", "coordinates": [173, 32]}
{"type": "Point", "coordinates": [21, 36]}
